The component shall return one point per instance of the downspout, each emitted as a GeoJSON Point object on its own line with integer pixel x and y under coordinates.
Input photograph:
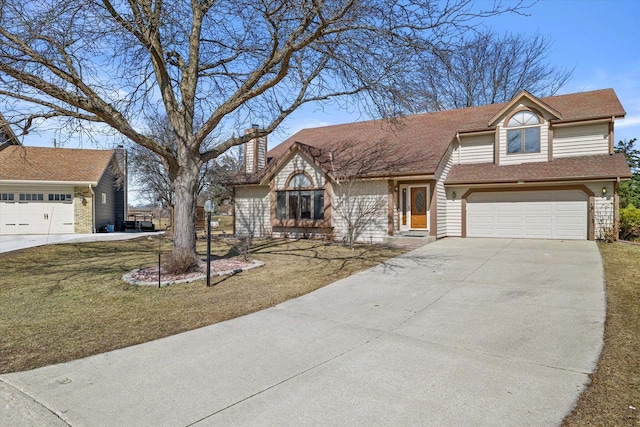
{"type": "Point", "coordinates": [459, 145]}
{"type": "Point", "coordinates": [93, 209]}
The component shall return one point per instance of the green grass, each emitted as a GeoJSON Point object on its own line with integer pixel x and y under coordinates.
{"type": "Point", "coordinates": [615, 386]}
{"type": "Point", "coordinates": [63, 302]}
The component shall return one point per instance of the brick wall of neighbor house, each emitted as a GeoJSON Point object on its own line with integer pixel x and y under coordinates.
{"type": "Point", "coordinates": [369, 193]}
{"type": "Point", "coordinates": [82, 212]}
{"type": "Point", "coordinates": [581, 140]}
{"type": "Point", "coordinates": [252, 211]}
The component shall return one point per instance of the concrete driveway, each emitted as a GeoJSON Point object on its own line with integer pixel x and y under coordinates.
{"type": "Point", "coordinates": [459, 332]}
{"type": "Point", "coordinates": [14, 242]}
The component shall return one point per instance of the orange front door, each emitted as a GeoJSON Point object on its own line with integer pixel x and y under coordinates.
{"type": "Point", "coordinates": [419, 207]}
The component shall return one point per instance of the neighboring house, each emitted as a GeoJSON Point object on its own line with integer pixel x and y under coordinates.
{"type": "Point", "coordinates": [59, 190]}
{"type": "Point", "coordinates": [529, 168]}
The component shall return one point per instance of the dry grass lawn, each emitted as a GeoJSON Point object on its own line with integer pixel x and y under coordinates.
{"type": "Point", "coordinates": [63, 302]}
{"type": "Point", "coordinates": [615, 386]}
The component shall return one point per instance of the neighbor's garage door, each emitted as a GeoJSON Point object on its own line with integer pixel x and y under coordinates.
{"type": "Point", "coordinates": [36, 217]}
{"type": "Point", "coordinates": [528, 214]}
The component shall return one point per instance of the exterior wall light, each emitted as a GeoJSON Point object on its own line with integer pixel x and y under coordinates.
{"type": "Point", "coordinates": [453, 195]}
{"type": "Point", "coordinates": [604, 191]}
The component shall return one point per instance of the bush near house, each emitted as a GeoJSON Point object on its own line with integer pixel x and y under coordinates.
{"type": "Point", "coordinates": [630, 223]}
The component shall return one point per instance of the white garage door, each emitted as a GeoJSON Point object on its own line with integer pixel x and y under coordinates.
{"type": "Point", "coordinates": [36, 217]}
{"type": "Point", "coordinates": [528, 214]}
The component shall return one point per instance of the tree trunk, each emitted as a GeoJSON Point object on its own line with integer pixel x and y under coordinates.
{"type": "Point", "coordinates": [184, 220]}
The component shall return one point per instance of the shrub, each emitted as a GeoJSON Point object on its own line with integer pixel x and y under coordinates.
{"type": "Point", "coordinates": [180, 261]}
{"type": "Point", "coordinates": [629, 223]}
{"type": "Point", "coordinates": [242, 246]}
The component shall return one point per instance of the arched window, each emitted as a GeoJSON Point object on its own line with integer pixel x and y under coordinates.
{"type": "Point", "coordinates": [523, 133]}
{"type": "Point", "coordinates": [300, 181]}
{"type": "Point", "coordinates": [301, 200]}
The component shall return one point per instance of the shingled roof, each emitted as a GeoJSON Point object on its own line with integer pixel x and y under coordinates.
{"type": "Point", "coordinates": [563, 169]}
{"type": "Point", "coordinates": [424, 138]}
{"type": "Point", "coordinates": [20, 163]}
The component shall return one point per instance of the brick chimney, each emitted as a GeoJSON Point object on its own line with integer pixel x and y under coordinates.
{"type": "Point", "coordinates": [255, 152]}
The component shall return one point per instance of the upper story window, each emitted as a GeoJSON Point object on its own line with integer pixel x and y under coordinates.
{"type": "Point", "coordinates": [300, 200]}
{"type": "Point", "coordinates": [523, 133]}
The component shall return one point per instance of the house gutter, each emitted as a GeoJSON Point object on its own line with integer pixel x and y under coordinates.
{"type": "Point", "coordinates": [39, 182]}
{"type": "Point", "coordinates": [93, 208]}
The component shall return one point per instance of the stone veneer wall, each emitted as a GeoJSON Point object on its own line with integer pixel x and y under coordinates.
{"type": "Point", "coordinates": [82, 212]}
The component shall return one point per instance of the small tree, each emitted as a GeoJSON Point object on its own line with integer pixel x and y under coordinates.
{"type": "Point", "coordinates": [630, 190]}
{"type": "Point", "coordinates": [361, 201]}
{"type": "Point", "coordinates": [359, 205]}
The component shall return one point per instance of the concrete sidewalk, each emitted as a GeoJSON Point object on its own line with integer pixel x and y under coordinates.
{"type": "Point", "coordinates": [459, 332]}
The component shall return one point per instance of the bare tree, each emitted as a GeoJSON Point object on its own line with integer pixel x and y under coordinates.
{"type": "Point", "coordinates": [359, 206]}
{"type": "Point", "coordinates": [213, 66]}
{"type": "Point", "coordinates": [151, 172]}
{"type": "Point", "coordinates": [486, 69]}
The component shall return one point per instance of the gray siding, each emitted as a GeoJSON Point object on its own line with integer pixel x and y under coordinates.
{"type": "Point", "coordinates": [111, 212]}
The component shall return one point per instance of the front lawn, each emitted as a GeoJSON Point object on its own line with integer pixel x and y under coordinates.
{"type": "Point", "coordinates": [63, 302]}
{"type": "Point", "coordinates": [613, 397]}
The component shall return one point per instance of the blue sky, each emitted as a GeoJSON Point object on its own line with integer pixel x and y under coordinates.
{"type": "Point", "coordinates": [600, 38]}
{"type": "Point", "coordinates": [597, 37]}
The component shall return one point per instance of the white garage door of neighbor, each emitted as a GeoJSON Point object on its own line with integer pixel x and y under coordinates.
{"type": "Point", "coordinates": [36, 217]}
{"type": "Point", "coordinates": [528, 214]}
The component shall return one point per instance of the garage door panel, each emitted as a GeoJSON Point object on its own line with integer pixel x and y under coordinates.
{"type": "Point", "coordinates": [538, 207]}
{"type": "Point", "coordinates": [36, 217]}
{"type": "Point", "coordinates": [539, 220]}
{"type": "Point", "coordinates": [508, 232]}
{"type": "Point", "coordinates": [509, 220]}
{"type": "Point", "coordinates": [537, 214]}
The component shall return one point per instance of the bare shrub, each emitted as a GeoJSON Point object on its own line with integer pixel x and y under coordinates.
{"type": "Point", "coordinates": [180, 261]}
{"type": "Point", "coordinates": [242, 246]}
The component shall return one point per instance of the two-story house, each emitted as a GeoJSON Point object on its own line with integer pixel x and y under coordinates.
{"type": "Point", "coordinates": [529, 168]}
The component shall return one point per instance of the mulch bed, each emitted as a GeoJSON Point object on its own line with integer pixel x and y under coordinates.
{"type": "Point", "coordinates": [149, 274]}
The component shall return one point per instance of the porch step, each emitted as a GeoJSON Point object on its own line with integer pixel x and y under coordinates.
{"type": "Point", "coordinates": [409, 240]}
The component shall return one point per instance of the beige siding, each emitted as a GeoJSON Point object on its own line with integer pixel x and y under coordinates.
{"type": "Point", "coordinates": [603, 207]}
{"type": "Point", "coordinates": [581, 140]}
{"type": "Point", "coordinates": [441, 195]}
{"type": "Point", "coordinates": [357, 197]}
{"type": "Point", "coordinates": [476, 149]}
{"type": "Point", "coordinates": [454, 211]}
{"type": "Point", "coordinates": [252, 211]}
{"type": "Point", "coordinates": [296, 163]}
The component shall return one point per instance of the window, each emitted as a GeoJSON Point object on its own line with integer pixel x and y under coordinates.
{"type": "Point", "coordinates": [59, 197]}
{"type": "Point", "coordinates": [104, 198]}
{"type": "Point", "coordinates": [31, 197]}
{"type": "Point", "coordinates": [301, 201]}
{"type": "Point", "coordinates": [6, 196]}
{"type": "Point", "coordinates": [524, 133]}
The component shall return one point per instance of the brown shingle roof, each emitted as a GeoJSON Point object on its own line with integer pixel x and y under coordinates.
{"type": "Point", "coordinates": [422, 140]}
{"type": "Point", "coordinates": [21, 163]}
{"type": "Point", "coordinates": [563, 169]}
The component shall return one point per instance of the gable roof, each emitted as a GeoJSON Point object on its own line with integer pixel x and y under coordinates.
{"type": "Point", "coordinates": [65, 165]}
{"type": "Point", "coordinates": [562, 169]}
{"type": "Point", "coordinates": [423, 139]}
{"type": "Point", "coordinates": [7, 137]}
{"type": "Point", "coordinates": [517, 99]}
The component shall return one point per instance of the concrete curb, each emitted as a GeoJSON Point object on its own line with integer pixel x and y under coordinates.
{"type": "Point", "coordinates": [129, 276]}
